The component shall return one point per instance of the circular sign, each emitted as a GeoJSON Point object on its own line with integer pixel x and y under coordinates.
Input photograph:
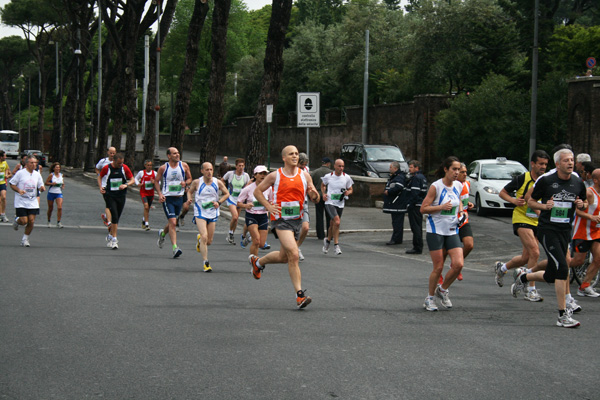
{"type": "Point", "coordinates": [590, 62]}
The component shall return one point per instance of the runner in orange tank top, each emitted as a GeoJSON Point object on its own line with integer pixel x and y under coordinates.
{"type": "Point", "coordinates": [290, 185]}
{"type": "Point", "coordinates": [586, 237]}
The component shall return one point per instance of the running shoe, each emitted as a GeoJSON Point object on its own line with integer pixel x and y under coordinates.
{"type": "Point", "coordinates": [143, 225]}
{"type": "Point", "coordinates": [59, 225]}
{"type": "Point", "coordinates": [177, 252]}
{"type": "Point", "coordinates": [573, 306]}
{"type": "Point", "coordinates": [25, 243]}
{"type": "Point", "coordinates": [302, 300]}
{"type": "Point", "coordinates": [104, 219]}
{"type": "Point", "coordinates": [15, 224]}
{"type": "Point", "coordinates": [459, 277]}
{"type": "Point", "coordinates": [300, 255]}
{"type": "Point", "coordinates": [337, 249]}
{"type": "Point", "coordinates": [246, 240]}
{"type": "Point", "coordinates": [114, 244]}
{"type": "Point", "coordinates": [588, 291]}
{"type": "Point", "coordinates": [443, 296]}
{"type": "Point", "coordinates": [207, 267]}
{"type": "Point", "coordinates": [230, 239]}
{"type": "Point", "coordinates": [3, 218]}
{"type": "Point", "coordinates": [518, 286]}
{"type": "Point", "coordinates": [267, 246]}
{"type": "Point", "coordinates": [256, 270]}
{"type": "Point", "coordinates": [49, 224]}
{"type": "Point", "coordinates": [533, 296]}
{"type": "Point", "coordinates": [499, 275]}
{"type": "Point", "coordinates": [147, 227]}
{"type": "Point", "coordinates": [429, 304]}
{"type": "Point", "coordinates": [567, 321]}
{"type": "Point", "coordinates": [326, 244]}
{"type": "Point", "coordinates": [161, 238]}
{"type": "Point", "coordinates": [181, 221]}
{"type": "Point", "coordinates": [441, 280]}
{"type": "Point", "coordinates": [242, 240]}
{"type": "Point", "coordinates": [198, 238]}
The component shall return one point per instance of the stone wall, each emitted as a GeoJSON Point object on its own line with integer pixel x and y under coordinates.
{"type": "Point", "coordinates": [583, 125]}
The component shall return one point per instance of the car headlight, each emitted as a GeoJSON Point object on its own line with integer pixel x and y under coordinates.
{"type": "Point", "coordinates": [490, 190]}
{"type": "Point", "coordinates": [372, 174]}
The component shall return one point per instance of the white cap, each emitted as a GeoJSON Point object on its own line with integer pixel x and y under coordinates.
{"type": "Point", "coordinates": [260, 168]}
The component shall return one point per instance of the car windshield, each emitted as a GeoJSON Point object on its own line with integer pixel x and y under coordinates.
{"type": "Point", "coordinates": [501, 171]}
{"type": "Point", "coordinates": [384, 154]}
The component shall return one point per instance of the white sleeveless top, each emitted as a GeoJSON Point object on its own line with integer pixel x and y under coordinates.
{"type": "Point", "coordinates": [58, 187]}
{"type": "Point", "coordinates": [204, 198]}
{"type": "Point", "coordinates": [444, 222]}
{"type": "Point", "coordinates": [172, 178]}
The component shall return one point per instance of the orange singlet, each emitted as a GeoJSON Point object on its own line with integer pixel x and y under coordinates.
{"type": "Point", "coordinates": [289, 194]}
{"type": "Point", "coordinates": [584, 228]}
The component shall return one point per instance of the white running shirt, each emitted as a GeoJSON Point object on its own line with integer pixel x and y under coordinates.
{"type": "Point", "coordinates": [445, 223]}
{"type": "Point", "coordinates": [204, 198]}
{"type": "Point", "coordinates": [57, 188]}
{"type": "Point", "coordinates": [336, 186]}
{"type": "Point", "coordinates": [30, 183]}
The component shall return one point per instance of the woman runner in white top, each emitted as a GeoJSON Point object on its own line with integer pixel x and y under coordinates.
{"type": "Point", "coordinates": [257, 218]}
{"type": "Point", "coordinates": [443, 205]}
{"type": "Point", "coordinates": [55, 184]}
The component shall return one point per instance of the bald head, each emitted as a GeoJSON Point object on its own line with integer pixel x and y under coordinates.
{"type": "Point", "coordinates": [596, 174]}
{"type": "Point", "coordinates": [287, 149]}
{"type": "Point", "coordinates": [207, 170]}
{"type": "Point", "coordinates": [111, 153]}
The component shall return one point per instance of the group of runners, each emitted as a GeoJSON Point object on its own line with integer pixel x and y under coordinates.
{"type": "Point", "coordinates": [553, 209]}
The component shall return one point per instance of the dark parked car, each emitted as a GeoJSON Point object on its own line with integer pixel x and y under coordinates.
{"type": "Point", "coordinates": [38, 153]}
{"type": "Point", "coordinates": [372, 160]}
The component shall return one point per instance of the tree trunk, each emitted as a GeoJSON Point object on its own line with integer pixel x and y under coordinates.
{"type": "Point", "coordinates": [269, 91]}
{"type": "Point", "coordinates": [38, 138]}
{"type": "Point", "coordinates": [218, 76]}
{"type": "Point", "coordinates": [186, 78]}
{"type": "Point", "coordinates": [54, 153]}
{"type": "Point", "coordinates": [117, 112]}
{"type": "Point", "coordinates": [108, 81]}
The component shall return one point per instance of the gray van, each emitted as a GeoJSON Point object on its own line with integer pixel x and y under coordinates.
{"type": "Point", "coordinates": [372, 160]}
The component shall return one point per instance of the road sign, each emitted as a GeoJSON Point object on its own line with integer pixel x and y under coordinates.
{"type": "Point", "coordinates": [269, 113]}
{"type": "Point", "coordinates": [308, 109]}
{"type": "Point", "coordinates": [590, 62]}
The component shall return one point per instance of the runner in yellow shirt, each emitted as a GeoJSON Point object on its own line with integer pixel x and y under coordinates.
{"type": "Point", "coordinates": [4, 175]}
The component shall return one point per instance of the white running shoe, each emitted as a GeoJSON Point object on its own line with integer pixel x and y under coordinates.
{"type": "Point", "coordinates": [114, 244]}
{"type": "Point", "coordinates": [444, 296]}
{"type": "Point", "coordinates": [15, 224]}
{"type": "Point", "coordinates": [588, 291]}
{"type": "Point", "coordinates": [3, 218]}
{"type": "Point", "coordinates": [25, 243]}
{"type": "Point", "coordinates": [230, 239]}
{"type": "Point", "coordinates": [337, 249]}
{"type": "Point", "coordinates": [59, 225]}
{"type": "Point", "coordinates": [246, 240]}
{"type": "Point", "coordinates": [518, 286]}
{"type": "Point", "coordinates": [499, 277]}
{"type": "Point", "coordinates": [177, 252]}
{"type": "Point", "coordinates": [573, 306]}
{"type": "Point", "coordinates": [533, 296]}
{"type": "Point", "coordinates": [326, 244]}
{"type": "Point", "coordinates": [300, 255]}
{"type": "Point", "coordinates": [161, 239]}
{"type": "Point", "coordinates": [49, 224]}
{"type": "Point", "coordinates": [429, 304]}
{"type": "Point", "coordinates": [567, 321]}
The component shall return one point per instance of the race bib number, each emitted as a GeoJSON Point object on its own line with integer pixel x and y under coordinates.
{"type": "Point", "coordinates": [257, 206]}
{"type": "Point", "coordinates": [451, 211]}
{"type": "Point", "coordinates": [115, 183]}
{"type": "Point", "coordinates": [560, 212]}
{"type": "Point", "coordinates": [2, 175]}
{"type": "Point", "coordinates": [337, 196]}
{"type": "Point", "coordinates": [175, 188]}
{"type": "Point", "coordinates": [290, 209]}
{"type": "Point", "coordinates": [148, 186]}
{"type": "Point", "coordinates": [465, 203]}
{"type": "Point", "coordinates": [235, 192]}
{"type": "Point", "coordinates": [207, 205]}
{"type": "Point", "coordinates": [530, 213]}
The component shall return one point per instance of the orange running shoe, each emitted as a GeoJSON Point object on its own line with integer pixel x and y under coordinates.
{"type": "Point", "coordinates": [256, 270]}
{"type": "Point", "coordinates": [104, 219]}
{"type": "Point", "coordinates": [441, 280]}
{"type": "Point", "coordinates": [302, 300]}
{"type": "Point", "coordinates": [460, 277]}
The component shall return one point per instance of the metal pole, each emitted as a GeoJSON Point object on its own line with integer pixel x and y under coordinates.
{"type": "Point", "coordinates": [308, 143]}
{"type": "Point", "coordinates": [145, 82]}
{"type": "Point", "coordinates": [366, 88]}
{"type": "Point", "coordinates": [235, 85]}
{"type": "Point", "coordinates": [157, 106]}
{"type": "Point", "coordinates": [269, 146]}
{"type": "Point", "coordinates": [29, 115]}
{"type": "Point", "coordinates": [99, 63]}
{"type": "Point", "coordinates": [534, 82]}
{"type": "Point", "coordinates": [57, 83]}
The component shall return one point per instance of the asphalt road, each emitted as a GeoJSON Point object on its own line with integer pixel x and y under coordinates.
{"type": "Point", "coordinates": [78, 320]}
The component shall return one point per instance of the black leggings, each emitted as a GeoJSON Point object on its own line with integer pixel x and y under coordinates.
{"type": "Point", "coordinates": [555, 244]}
{"type": "Point", "coordinates": [115, 204]}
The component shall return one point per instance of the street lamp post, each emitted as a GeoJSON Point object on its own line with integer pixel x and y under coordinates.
{"type": "Point", "coordinates": [29, 114]}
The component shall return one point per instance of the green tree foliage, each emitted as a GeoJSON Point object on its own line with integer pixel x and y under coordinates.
{"type": "Point", "coordinates": [321, 12]}
{"type": "Point", "coordinates": [571, 45]}
{"type": "Point", "coordinates": [491, 121]}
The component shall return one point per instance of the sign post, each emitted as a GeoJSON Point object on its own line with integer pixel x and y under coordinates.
{"type": "Point", "coordinates": [308, 113]}
{"type": "Point", "coordinates": [269, 120]}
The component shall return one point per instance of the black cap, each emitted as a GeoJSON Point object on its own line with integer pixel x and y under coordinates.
{"type": "Point", "coordinates": [325, 160]}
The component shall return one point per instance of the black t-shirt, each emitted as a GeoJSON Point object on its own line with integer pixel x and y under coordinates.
{"type": "Point", "coordinates": [564, 193]}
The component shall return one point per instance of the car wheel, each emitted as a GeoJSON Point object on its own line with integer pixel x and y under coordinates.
{"type": "Point", "coordinates": [481, 211]}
